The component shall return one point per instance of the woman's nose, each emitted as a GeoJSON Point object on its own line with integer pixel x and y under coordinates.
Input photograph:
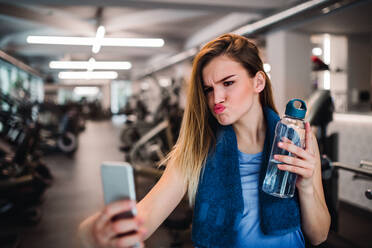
{"type": "Point", "coordinates": [219, 96]}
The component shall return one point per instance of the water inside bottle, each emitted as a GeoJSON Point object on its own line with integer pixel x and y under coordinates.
{"type": "Point", "coordinates": [277, 182]}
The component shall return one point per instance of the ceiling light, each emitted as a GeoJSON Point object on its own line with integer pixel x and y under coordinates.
{"type": "Point", "coordinates": [88, 75]}
{"type": "Point", "coordinates": [86, 90]}
{"type": "Point", "coordinates": [317, 51]}
{"type": "Point", "coordinates": [57, 40]}
{"type": "Point", "coordinates": [91, 64]}
{"type": "Point", "coordinates": [165, 82]}
{"type": "Point", "coordinates": [99, 37]}
{"type": "Point", "coordinates": [267, 67]}
{"type": "Point", "coordinates": [87, 41]}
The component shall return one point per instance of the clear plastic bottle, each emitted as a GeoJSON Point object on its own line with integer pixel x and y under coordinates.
{"type": "Point", "coordinates": [292, 126]}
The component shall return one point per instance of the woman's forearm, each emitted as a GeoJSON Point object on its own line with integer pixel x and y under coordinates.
{"type": "Point", "coordinates": [315, 216]}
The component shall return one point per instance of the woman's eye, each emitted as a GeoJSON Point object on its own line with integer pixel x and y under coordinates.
{"type": "Point", "coordinates": [228, 83]}
{"type": "Point", "coordinates": [207, 90]}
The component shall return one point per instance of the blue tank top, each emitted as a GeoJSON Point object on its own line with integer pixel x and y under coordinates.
{"type": "Point", "coordinates": [249, 231]}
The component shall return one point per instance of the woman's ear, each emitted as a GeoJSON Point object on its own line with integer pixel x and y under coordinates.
{"type": "Point", "coordinates": [259, 81]}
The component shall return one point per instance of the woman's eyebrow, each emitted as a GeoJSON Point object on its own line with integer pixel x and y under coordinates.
{"type": "Point", "coordinates": [223, 79]}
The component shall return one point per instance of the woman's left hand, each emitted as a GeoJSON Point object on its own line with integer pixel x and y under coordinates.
{"type": "Point", "coordinates": [304, 162]}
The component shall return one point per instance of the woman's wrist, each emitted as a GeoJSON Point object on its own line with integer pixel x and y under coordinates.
{"type": "Point", "coordinates": [306, 191]}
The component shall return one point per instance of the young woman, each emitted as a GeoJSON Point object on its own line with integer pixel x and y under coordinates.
{"type": "Point", "coordinates": [220, 160]}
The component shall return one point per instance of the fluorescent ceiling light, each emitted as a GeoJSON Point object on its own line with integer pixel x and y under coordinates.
{"type": "Point", "coordinates": [86, 41]}
{"type": "Point", "coordinates": [88, 75]}
{"type": "Point", "coordinates": [91, 65]}
{"type": "Point", "coordinates": [317, 51]}
{"type": "Point", "coordinates": [57, 40]}
{"type": "Point", "coordinates": [86, 90]}
{"type": "Point", "coordinates": [267, 67]}
{"type": "Point", "coordinates": [99, 37]}
{"type": "Point", "coordinates": [165, 82]}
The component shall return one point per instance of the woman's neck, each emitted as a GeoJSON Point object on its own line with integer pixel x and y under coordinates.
{"type": "Point", "coordinates": [250, 130]}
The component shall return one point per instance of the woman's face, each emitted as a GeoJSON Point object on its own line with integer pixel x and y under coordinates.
{"type": "Point", "coordinates": [228, 88]}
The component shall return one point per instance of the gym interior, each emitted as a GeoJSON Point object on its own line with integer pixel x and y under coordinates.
{"type": "Point", "coordinates": [84, 82]}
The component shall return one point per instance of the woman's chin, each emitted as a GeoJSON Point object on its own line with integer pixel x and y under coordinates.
{"type": "Point", "coordinates": [222, 120]}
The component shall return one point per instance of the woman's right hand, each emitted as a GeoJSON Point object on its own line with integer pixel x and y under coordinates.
{"type": "Point", "coordinates": [107, 232]}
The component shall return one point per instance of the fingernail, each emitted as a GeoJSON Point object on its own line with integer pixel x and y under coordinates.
{"type": "Point", "coordinates": [280, 144]}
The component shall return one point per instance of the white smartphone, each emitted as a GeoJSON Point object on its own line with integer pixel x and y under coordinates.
{"type": "Point", "coordinates": [118, 184]}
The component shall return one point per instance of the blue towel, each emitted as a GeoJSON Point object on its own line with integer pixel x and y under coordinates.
{"type": "Point", "coordinates": [219, 202]}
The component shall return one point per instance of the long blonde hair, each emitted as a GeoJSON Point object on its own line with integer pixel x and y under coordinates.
{"type": "Point", "coordinates": [197, 133]}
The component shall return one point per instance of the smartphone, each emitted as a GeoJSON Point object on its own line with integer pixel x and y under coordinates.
{"type": "Point", "coordinates": [118, 184]}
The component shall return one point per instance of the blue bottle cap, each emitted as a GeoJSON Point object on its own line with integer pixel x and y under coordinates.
{"type": "Point", "coordinates": [292, 111]}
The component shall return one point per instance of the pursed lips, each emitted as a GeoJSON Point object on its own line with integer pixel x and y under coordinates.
{"type": "Point", "coordinates": [219, 108]}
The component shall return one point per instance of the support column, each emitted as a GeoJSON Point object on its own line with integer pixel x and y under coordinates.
{"type": "Point", "coordinates": [106, 96]}
{"type": "Point", "coordinates": [289, 53]}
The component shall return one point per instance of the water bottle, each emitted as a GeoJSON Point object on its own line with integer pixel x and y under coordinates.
{"type": "Point", "coordinates": [292, 126]}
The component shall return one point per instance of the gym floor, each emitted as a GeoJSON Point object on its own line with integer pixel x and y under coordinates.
{"type": "Point", "coordinates": [76, 193]}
